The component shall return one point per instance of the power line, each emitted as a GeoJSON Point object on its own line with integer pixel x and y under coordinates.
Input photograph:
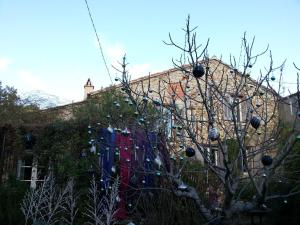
{"type": "Point", "coordinates": [98, 40]}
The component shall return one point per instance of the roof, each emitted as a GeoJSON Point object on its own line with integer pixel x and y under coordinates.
{"type": "Point", "coordinates": [150, 76]}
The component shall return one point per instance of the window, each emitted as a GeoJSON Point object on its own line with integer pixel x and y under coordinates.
{"type": "Point", "coordinates": [227, 103]}
{"type": "Point", "coordinates": [212, 155]}
{"type": "Point", "coordinates": [29, 171]}
{"type": "Point", "coordinates": [240, 109]}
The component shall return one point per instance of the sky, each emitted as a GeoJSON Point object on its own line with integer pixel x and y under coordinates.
{"type": "Point", "coordinates": [50, 46]}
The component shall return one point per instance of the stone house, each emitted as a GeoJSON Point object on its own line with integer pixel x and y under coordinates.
{"type": "Point", "coordinates": [250, 97]}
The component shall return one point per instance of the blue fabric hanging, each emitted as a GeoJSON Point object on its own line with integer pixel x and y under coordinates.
{"type": "Point", "coordinates": [107, 141]}
{"type": "Point", "coordinates": [151, 144]}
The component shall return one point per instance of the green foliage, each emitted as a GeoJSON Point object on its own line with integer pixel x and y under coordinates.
{"type": "Point", "coordinates": [232, 148]}
{"type": "Point", "coordinates": [114, 108]}
{"type": "Point", "coordinates": [16, 111]}
{"type": "Point", "coordinates": [11, 195]}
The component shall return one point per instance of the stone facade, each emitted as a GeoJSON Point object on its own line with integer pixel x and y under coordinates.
{"type": "Point", "coordinates": [232, 86]}
{"type": "Point", "coordinates": [170, 85]}
{"type": "Point", "coordinates": [289, 109]}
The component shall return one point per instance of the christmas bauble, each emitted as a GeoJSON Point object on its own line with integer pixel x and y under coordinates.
{"type": "Point", "coordinates": [190, 152]}
{"type": "Point", "coordinates": [213, 134]}
{"type": "Point", "coordinates": [266, 160]}
{"type": "Point", "coordinates": [255, 122]}
{"type": "Point", "coordinates": [198, 71]}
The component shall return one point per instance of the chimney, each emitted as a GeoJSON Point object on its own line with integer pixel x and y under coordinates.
{"type": "Point", "coordinates": [88, 88]}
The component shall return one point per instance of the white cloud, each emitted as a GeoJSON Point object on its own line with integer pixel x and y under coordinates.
{"type": "Point", "coordinates": [4, 62]}
{"type": "Point", "coordinates": [139, 70]}
{"type": "Point", "coordinates": [31, 81]}
{"type": "Point", "coordinates": [115, 52]}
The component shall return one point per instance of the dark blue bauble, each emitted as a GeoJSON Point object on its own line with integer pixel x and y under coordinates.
{"type": "Point", "coordinates": [266, 160]}
{"type": "Point", "coordinates": [157, 102]}
{"type": "Point", "coordinates": [198, 71]}
{"type": "Point", "coordinates": [255, 122]}
{"type": "Point", "coordinates": [190, 152]}
{"type": "Point", "coordinates": [29, 140]}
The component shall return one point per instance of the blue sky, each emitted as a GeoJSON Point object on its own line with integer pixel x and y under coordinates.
{"type": "Point", "coordinates": [50, 45]}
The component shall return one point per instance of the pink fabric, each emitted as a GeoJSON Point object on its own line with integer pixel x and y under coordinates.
{"type": "Point", "coordinates": [123, 142]}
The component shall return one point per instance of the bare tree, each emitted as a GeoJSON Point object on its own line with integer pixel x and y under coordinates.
{"type": "Point", "coordinates": [70, 203]}
{"type": "Point", "coordinates": [43, 205]}
{"type": "Point", "coordinates": [205, 105]}
{"type": "Point", "coordinates": [102, 208]}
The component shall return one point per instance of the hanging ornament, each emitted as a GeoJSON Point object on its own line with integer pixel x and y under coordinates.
{"type": "Point", "coordinates": [130, 223]}
{"type": "Point", "coordinates": [145, 99]}
{"type": "Point", "coordinates": [113, 169]}
{"type": "Point", "coordinates": [264, 175]}
{"type": "Point", "coordinates": [133, 179]}
{"type": "Point", "coordinates": [298, 114]}
{"type": "Point", "coordinates": [285, 201]}
{"type": "Point", "coordinates": [190, 152]}
{"type": "Point", "coordinates": [198, 71]}
{"type": "Point", "coordinates": [126, 132]}
{"type": "Point", "coordinates": [142, 120]}
{"type": "Point", "coordinates": [158, 173]}
{"type": "Point", "coordinates": [213, 134]}
{"type": "Point", "coordinates": [110, 128]}
{"type": "Point", "coordinates": [116, 79]}
{"type": "Point", "coordinates": [266, 160]}
{"type": "Point", "coordinates": [93, 149]}
{"type": "Point", "coordinates": [118, 199]}
{"type": "Point", "coordinates": [273, 78]}
{"type": "Point", "coordinates": [157, 102]}
{"type": "Point", "coordinates": [157, 161]}
{"type": "Point", "coordinates": [263, 206]}
{"type": "Point", "coordinates": [118, 105]}
{"type": "Point", "coordinates": [148, 160]}
{"type": "Point", "coordinates": [182, 187]}
{"type": "Point", "coordinates": [255, 122]}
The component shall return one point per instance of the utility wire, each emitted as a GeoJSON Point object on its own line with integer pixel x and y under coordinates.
{"type": "Point", "coordinates": [98, 40]}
